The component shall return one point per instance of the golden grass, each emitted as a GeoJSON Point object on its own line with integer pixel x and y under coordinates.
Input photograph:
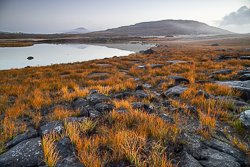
{"type": "Point", "coordinates": [15, 44]}
{"type": "Point", "coordinates": [137, 137]}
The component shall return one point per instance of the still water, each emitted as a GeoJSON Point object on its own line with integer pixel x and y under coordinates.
{"type": "Point", "coordinates": [47, 54]}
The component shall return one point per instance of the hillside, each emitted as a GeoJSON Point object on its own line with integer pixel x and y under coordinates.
{"type": "Point", "coordinates": [162, 28]}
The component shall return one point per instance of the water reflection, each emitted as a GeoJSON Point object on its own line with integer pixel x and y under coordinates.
{"type": "Point", "coordinates": [47, 54]}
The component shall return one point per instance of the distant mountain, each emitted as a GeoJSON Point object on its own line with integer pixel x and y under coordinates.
{"type": "Point", "coordinates": [79, 30]}
{"type": "Point", "coordinates": [162, 28]}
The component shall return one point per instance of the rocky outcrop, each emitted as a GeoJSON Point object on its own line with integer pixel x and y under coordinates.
{"type": "Point", "coordinates": [245, 77]}
{"type": "Point", "coordinates": [27, 153]}
{"type": "Point", "coordinates": [178, 79]}
{"type": "Point", "coordinates": [141, 94]}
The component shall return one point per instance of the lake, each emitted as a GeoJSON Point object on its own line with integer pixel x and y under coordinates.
{"type": "Point", "coordinates": [47, 54]}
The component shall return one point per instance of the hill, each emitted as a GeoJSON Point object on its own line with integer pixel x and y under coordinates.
{"type": "Point", "coordinates": [79, 30]}
{"type": "Point", "coordinates": [162, 28]}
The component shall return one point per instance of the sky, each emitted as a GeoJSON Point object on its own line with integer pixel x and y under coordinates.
{"type": "Point", "coordinates": [57, 16]}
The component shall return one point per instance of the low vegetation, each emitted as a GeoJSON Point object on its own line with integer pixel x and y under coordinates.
{"type": "Point", "coordinates": [137, 137]}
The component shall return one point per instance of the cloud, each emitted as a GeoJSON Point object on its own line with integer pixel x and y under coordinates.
{"type": "Point", "coordinates": [241, 17]}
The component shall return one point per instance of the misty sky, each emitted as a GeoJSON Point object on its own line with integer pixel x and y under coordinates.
{"type": "Point", "coordinates": [56, 16]}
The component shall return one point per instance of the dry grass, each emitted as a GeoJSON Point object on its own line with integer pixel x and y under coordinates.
{"type": "Point", "coordinates": [137, 137]}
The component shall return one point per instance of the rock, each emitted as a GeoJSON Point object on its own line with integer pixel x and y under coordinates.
{"type": "Point", "coordinates": [205, 94]}
{"type": "Point", "coordinates": [97, 74]}
{"type": "Point", "coordinates": [74, 119]}
{"type": "Point", "coordinates": [80, 103]}
{"type": "Point", "coordinates": [141, 94]}
{"type": "Point", "coordinates": [22, 137]}
{"type": "Point", "coordinates": [178, 79]}
{"type": "Point", "coordinates": [242, 86]}
{"type": "Point", "coordinates": [51, 127]}
{"type": "Point", "coordinates": [228, 149]}
{"type": "Point", "coordinates": [70, 162]}
{"type": "Point", "coordinates": [147, 85]}
{"type": "Point", "coordinates": [189, 161]}
{"type": "Point", "coordinates": [104, 107]}
{"type": "Point", "coordinates": [245, 58]}
{"type": "Point", "coordinates": [175, 91]}
{"type": "Point", "coordinates": [27, 153]}
{"type": "Point", "coordinates": [121, 110]}
{"type": "Point", "coordinates": [142, 106]}
{"type": "Point", "coordinates": [178, 61]}
{"type": "Point", "coordinates": [65, 149]}
{"type": "Point", "coordinates": [156, 65]}
{"type": "Point", "coordinates": [220, 50]}
{"type": "Point", "coordinates": [225, 57]}
{"type": "Point", "coordinates": [138, 87]}
{"type": "Point", "coordinates": [192, 110]}
{"type": "Point", "coordinates": [215, 44]}
{"type": "Point", "coordinates": [97, 98]}
{"type": "Point", "coordinates": [245, 77]}
{"type": "Point", "coordinates": [166, 117]}
{"type": "Point", "coordinates": [245, 119]}
{"type": "Point", "coordinates": [93, 91]}
{"type": "Point", "coordinates": [91, 112]}
{"type": "Point", "coordinates": [30, 58]}
{"type": "Point", "coordinates": [193, 146]}
{"type": "Point", "coordinates": [215, 158]}
{"type": "Point", "coordinates": [152, 66]}
{"type": "Point", "coordinates": [223, 72]}
{"type": "Point", "coordinates": [149, 51]}
{"type": "Point", "coordinates": [244, 71]}
{"type": "Point", "coordinates": [202, 81]}
{"type": "Point", "coordinates": [123, 95]}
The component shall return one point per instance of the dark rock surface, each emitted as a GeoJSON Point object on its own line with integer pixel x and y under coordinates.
{"type": "Point", "coordinates": [245, 58]}
{"type": "Point", "coordinates": [141, 94]}
{"type": "Point", "coordinates": [178, 61]}
{"type": "Point", "coordinates": [166, 117]}
{"type": "Point", "coordinates": [104, 107]}
{"type": "Point", "coordinates": [142, 106]}
{"type": "Point", "coordinates": [54, 126]}
{"type": "Point", "coordinates": [245, 77]}
{"type": "Point", "coordinates": [138, 87]}
{"type": "Point", "coordinates": [178, 79]}
{"type": "Point", "coordinates": [193, 146]}
{"type": "Point", "coordinates": [121, 110]}
{"type": "Point", "coordinates": [123, 95]}
{"type": "Point", "coordinates": [152, 66]}
{"type": "Point", "coordinates": [189, 161]}
{"type": "Point", "coordinates": [223, 72]}
{"type": "Point", "coordinates": [217, 159]}
{"type": "Point", "coordinates": [22, 137]}
{"type": "Point", "coordinates": [175, 91]}
{"type": "Point", "coordinates": [215, 44]}
{"type": "Point", "coordinates": [97, 98]}
{"type": "Point", "coordinates": [80, 103]}
{"type": "Point", "coordinates": [225, 58]}
{"type": "Point", "coordinates": [228, 149]}
{"type": "Point", "coordinates": [28, 153]}
{"type": "Point", "coordinates": [149, 51]}
{"type": "Point", "coordinates": [74, 119]}
{"type": "Point", "coordinates": [245, 119]}
{"type": "Point", "coordinates": [91, 112]}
